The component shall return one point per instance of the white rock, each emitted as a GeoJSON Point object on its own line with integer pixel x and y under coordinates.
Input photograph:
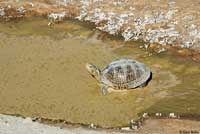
{"type": "Point", "coordinates": [97, 1]}
{"type": "Point", "coordinates": [141, 46]}
{"type": "Point", "coordinates": [31, 4]}
{"type": "Point", "coordinates": [9, 6]}
{"type": "Point", "coordinates": [131, 8]}
{"type": "Point", "coordinates": [131, 14]}
{"type": "Point", "coordinates": [189, 17]}
{"type": "Point", "coordinates": [86, 2]}
{"type": "Point", "coordinates": [146, 46]}
{"type": "Point", "coordinates": [21, 10]}
{"type": "Point", "coordinates": [192, 26]}
{"type": "Point", "coordinates": [170, 14]}
{"type": "Point", "coordinates": [82, 15]}
{"type": "Point", "coordinates": [2, 12]}
{"type": "Point", "coordinates": [162, 36]}
{"type": "Point", "coordinates": [158, 114]}
{"type": "Point", "coordinates": [145, 115]}
{"type": "Point", "coordinates": [118, 3]}
{"type": "Point", "coordinates": [161, 50]}
{"type": "Point", "coordinates": [126, 128]}
{"type": "Point", "coordinates": [171, 3]}
{"type": "Point", "coordinates": [187, 44]}
{"type": "Point", "coordinates": [127, 34]}
{"type": "Point", "coordinates": [172, 115]}
{"type": "Point", "coordinates": [111, 27]}
{"type": "Point", "coordinates": [67, 1]}
{"type": "Point", "coordinates": [17, 0]}
{"type": "Point", "coordinates": [92, 126]}
{"type": "Point", "coordinates": [97, 16]}
{"type": "Point", "coordinates": [135, 127]}
{"type": "Point", "coordinates": [56, 17]}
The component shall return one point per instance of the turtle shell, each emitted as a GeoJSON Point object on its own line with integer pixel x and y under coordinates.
{"type": "Point", "coordinates": [125, 74]}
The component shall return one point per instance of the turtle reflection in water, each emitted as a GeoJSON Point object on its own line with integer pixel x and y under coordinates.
{"type": "Point", "coordinates": [122, 74]}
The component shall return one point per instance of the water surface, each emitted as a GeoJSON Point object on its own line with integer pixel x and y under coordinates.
{"type": "Point", "coordinates": [43, 75]}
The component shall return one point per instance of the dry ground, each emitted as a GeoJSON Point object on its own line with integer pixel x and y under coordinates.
{"type": "Point", "coordinates": [17, 125]}
{"type": "Point", "coordinates": [170, 23]}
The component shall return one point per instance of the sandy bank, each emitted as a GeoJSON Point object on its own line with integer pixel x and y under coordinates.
{"type": "Point", "coordinates": [18, 125]}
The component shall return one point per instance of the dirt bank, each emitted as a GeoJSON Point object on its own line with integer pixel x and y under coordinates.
{"type": "Point", "coordinates": [169, 23]}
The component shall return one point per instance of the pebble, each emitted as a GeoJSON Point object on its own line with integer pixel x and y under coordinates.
{"type": "Point", "coordinates": [31, 4]}
{"type": "Point", "coordinates": [172, 115]}
{"type": "Point", "coordinates": [126, 128]}
{"type": "Point", "coordinates": [158, 114]}
{"type": "Point", "coordinates": [57, 17]}
{"type": "Point", "coordinates": [21, 10]}
{"type": "Point", "coordinates": [2, 12]}
{"type": "Point", "coordinates": [92, 126]}
{"type": "Point", "coordinates": [145, 115]}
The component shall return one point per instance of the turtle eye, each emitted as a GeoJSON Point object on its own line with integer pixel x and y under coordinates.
{"type": "Point", "coordinates": [90, 67]}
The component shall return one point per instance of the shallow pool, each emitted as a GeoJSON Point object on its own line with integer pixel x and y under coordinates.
{"type": "Point", "coordinates": [43, 75]}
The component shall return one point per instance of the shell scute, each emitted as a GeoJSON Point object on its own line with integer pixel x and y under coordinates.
{"type": "Point", "coordinates": [125, 73]}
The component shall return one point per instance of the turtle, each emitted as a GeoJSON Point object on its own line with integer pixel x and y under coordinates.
{"type": "Point", "coordinates": [120, 74]}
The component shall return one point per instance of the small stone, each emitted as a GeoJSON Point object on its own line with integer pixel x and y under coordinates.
{"type": "Point", "coordinates": [150, 54]}
{"type": "Point", "coordinates": [31, 4]}
{"type": "Point", "coordinates": [161, 50]}
{"type": "Point", "coordinates": [35, 119]}
{"type": "Point", "coordinates": [21, 10]}
{"type": "Point", "coordinates": [126, 128]}
{"type": "Point", "coordinates": [172, 115]}
{"type": "Point", "coordinates": [127, 34]}
{"type": "Point", "coordinates": [131, 8]}
{"type": "Point", "coordinates": [145, 115]}
{"type": "Point", "coordinates": [146, 46]}
{"type": "Point", "coordinates": [2, 12]}
{"type": "Point", "coordinates": [92, 126]}
{"type": "Point", "coordinates": [132, 121]}
{"type": "Point", "coordinates": [9, 6]}
{"type": "Point", "coordinates": [158, 114]}
{"type": "Point", "coordinates": [82, 15]}
{"type": "Point", "coordinates": [135, 125]}
{"type": "Point", "coordinates": [171, 3]}
{"type": "Point", "coordinates": [57, 17]}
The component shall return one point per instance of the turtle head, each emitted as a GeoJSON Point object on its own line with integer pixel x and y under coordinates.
{"type": "Point", "coordinates": [94, 71]}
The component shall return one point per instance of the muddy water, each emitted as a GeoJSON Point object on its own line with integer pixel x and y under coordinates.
{"type": "Point", "coordinates": [43, 75]}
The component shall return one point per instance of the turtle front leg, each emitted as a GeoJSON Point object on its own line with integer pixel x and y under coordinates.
{"type": "Point", "coordinates": [104, 89]}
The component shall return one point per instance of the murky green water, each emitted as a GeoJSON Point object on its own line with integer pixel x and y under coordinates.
{"type": "Point", "coordinates": [43, 74]}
